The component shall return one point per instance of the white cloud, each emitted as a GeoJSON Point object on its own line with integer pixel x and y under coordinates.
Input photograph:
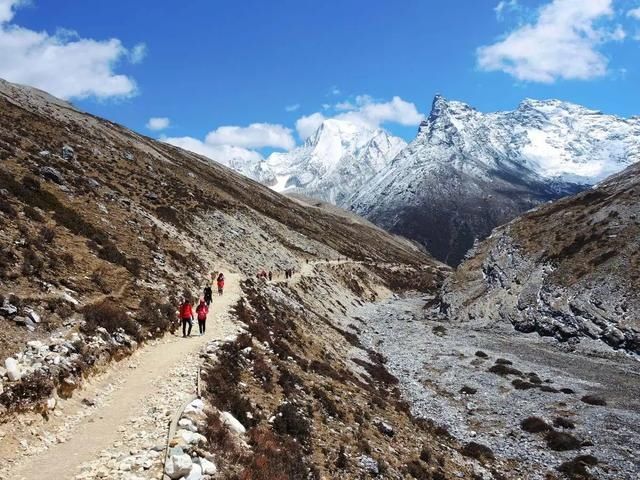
{"type": "Point", "coordinates": [158, 123]}
{"type": "Point", "coordinates": [634, 13]}
{"type": "Point", "coordinates": [307, 125]}
{"type": "Point", "coordinates": [368, 112]}
{"type": "Point", "coordinates": [364, 110]}
{"type": "Point", "coordinates": [505, 5]}
{"type": "Point", "coordinates": [292, 108]}
{"type": "Point", "coordinates": [138, 53]}
{"type": "Point", "coordinates": [62, 63]}
{"type": "Point", "coordinates": [225, 154]}
{"type": "Point", "coordinates": [561, 44]}
{"type": "Point", "coordinates": [256, 135]}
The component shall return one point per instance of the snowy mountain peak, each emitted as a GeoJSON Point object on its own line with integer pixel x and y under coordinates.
{"type": "Point", "coordinates": [335, 161]}
{"type": "Point", "coordinates": [468, 171]}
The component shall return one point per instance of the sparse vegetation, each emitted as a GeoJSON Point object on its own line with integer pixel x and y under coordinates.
{"type": "Point", "coordinates": [577, 469]}
{"type": "Point", "coordinates": [534, 425]}
{"type": "Point", "coordinates": [594, 400]}
{"type": "Point", "coordinates": [478, 451]}
{"type": "Point", "coordinates": [561, 441]}
{"type": "Point", "coordinates": [108, 315]}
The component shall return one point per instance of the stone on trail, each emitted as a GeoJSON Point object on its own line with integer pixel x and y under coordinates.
{"type": "Point", "coordinates": [13, 369]}
{"type": "Point", "coordinates": [233, 423]}
{"type": "Point", "coordinates": [178, 466]}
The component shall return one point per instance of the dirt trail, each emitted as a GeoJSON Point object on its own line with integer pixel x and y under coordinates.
{"type": "Point", "coordinates": [141, 382]}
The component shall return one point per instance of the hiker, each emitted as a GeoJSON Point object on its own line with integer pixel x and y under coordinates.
{"type": "Point", "coordinates": [270, 275]}
{"type": "Point", "coordinates": [202, 310]}
{"type": "Point", "coordinates": [220, 282]}
{"type": "Point", "coordinates": [208, 294]}
{"type": "Point", "coordinates": [186, 317]}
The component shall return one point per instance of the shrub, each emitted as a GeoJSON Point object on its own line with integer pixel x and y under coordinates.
{"type": "Point", "coordinates": [47, 234]}
{"type": "Point", "coordinates": [534, 425]}
{"type": "Point", "coordinates": [32, 263]}
{"type": "Point", "coordinates": [275, 458]}
{"type": "Point", "coordinates": [31, 389]}
{"type": "Point", "coordinates": [561, 441]}
{"type": "Point", "coordinates": [577, 468]}
{"type": "Point", "coordinates": [594, 400]}
{"type": "Point", "coordinates": [342, 461]}
{"type": "Point", "coordinates": [477, 451]}
{"type": "Point", "coordinates": [289, 381]}
{"type": "Point", "coordinates": [417, 470]}
{"type": "Point", "coordinates": [561, 422]}
{"type": "Point", "coordinates": [7, 208]}
{"type": "Point", "coordinates": [567, 391]}
{"type": "Point", "coordinates": [61, 307]}
{"type": "Point", "coordinates": [522, 385]}
{"type": "Point", "coordinates": [157, 317]}
{"type": "Point", "coordinates": [503, 361]}
{"type": "Point", "coordinates": [327, 403]}
{"type": "Point", "coordinates": [467, 390]}
{"type": "Point", "coordinates": [111, 317]}
{"type": "Point", "coordinates": [218, 434]}
{"type": "Point", "coordinates": [33, 214]}
{"type": "Point", "coordinates": [504, 370]}
{"type": "Point", "coordinates": [481, 354]}
{"type": "Point", "coordinates": [290, 420]}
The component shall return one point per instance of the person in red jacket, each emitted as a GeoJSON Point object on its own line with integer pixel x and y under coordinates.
{"type": "Point", "coordinates": [220, 283]}
{"type": "Point", "coordinates": [186, 317]}
{"type": "Point", "coordinates": [201, 311]}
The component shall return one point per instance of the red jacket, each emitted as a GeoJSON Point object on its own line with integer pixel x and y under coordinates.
{"type": "Point", "coordinates": [202, 311]}
{"type": "Point", "coordinates": [186, 311]}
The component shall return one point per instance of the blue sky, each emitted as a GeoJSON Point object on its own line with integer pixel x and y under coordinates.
{"type": "Point", "coordinates": [205, 64]}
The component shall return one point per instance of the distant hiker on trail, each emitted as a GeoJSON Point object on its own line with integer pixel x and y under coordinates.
{"type": "Point", "coordinates": [202, 310]}
{"type": "Point", "coordinates": [220, 282]}
{"type": "Point", "coordinates": [186, 317]}
{"type": "Point", "coordinates": [270, 275]}
{"type": "Point", "coordinates": [208, 294]}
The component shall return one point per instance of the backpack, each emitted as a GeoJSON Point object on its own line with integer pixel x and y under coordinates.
{"type": "Point", "coordinates": [202, 312]}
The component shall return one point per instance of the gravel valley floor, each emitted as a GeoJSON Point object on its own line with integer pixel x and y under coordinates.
{"type": "Point", "coordinates": [436, 361]}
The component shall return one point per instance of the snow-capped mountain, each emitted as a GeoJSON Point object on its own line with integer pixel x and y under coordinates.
{"type": "Point", "coordinates": [467, 172]}
{"type": "Point", "coordinates": [335, 162]}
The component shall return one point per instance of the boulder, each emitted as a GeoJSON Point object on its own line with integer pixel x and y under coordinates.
{"type": "Point", "coordinates": [67, 152]}
{"type": "Point", "coordinates": [195, 473]}
{"type": "Point", "coordinates": [8, 310]}
{"type": "Point", "coordinates": [369, 464]}
{"type": "Point", "coordinates": [52, 174]}
{"type": "Point", "coordinates": [197, 406]}
{"type": "Point", "coordinates": [191, 438]}
{"type": "Point", "coordinates": [208, 468]}
{"type": "Point", "coordinates": [233, 423]}
{"type": "Point", "coordinates": [13, 369]}
{"type": "Point", "coordinates": [178, 466]}
{"type": "Point", "coordinates": [33, 315]}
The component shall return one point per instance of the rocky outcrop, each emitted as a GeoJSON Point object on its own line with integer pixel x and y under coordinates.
{"type": "Point", "coordinates": [567, 270]}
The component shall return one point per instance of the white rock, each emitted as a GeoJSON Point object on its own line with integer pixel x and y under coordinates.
{"type": "Point", "coordinates": [34, 316]}
{"type": "Point", "coordinates": [208, 468]}
{"type": "Point", "coordinates": [187, 424]}
{"type": "Point", "coordinates": [178, 466]}
{"type": "Point", "coordinates": [13, 369]}
{"type": "Point", "coordinates": [233, 423]}
{"type": "Point", "coordinates": [191, 438]}
{"type": "Point", "coordinates": [70, 299]}
{"type": "Point", "coordinates": [195, 473]}
{"type": "Point", "coordinates": [195, 407]}
{"type": "Point", "coordinates": [51, 403]}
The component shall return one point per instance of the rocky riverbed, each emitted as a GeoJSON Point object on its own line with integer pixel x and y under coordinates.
{"type": "Point", "coordinates": [480, 381]}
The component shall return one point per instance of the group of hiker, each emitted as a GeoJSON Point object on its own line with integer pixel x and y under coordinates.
{"type": "Point", "coordinates": [187, 314]}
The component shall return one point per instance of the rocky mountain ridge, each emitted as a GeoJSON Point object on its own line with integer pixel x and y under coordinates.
{"type": "Point", "coordinates": [468, 172]}
{"type": "Point", "coordinates": [567, 270]}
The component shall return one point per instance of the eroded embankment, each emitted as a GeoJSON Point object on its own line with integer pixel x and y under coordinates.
{"type": "Point", "coordinates": [527, 397]}
{"type": "Point", "coordinates": [315, 402]}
